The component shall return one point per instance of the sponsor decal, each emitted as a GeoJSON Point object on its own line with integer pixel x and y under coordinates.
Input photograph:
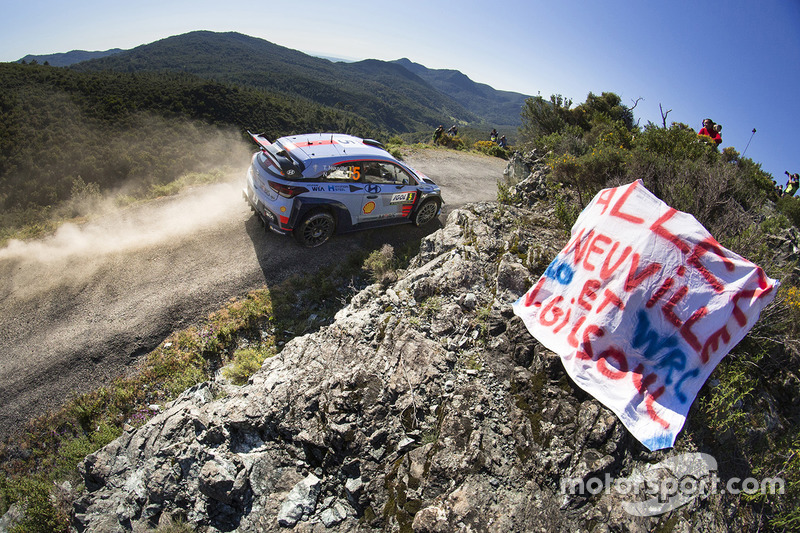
{"type": "Point", "coordinates": [338, 188]}
{"type": "Point", "coordinates": [403, 198]}
{"type": "Point", "coordinates": [373, 188]}
{"type": "Point", "coordinates": [369, 207]}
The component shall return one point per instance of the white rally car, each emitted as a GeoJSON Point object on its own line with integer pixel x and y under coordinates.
{"type": "Point", "coordinates": [318, 184]}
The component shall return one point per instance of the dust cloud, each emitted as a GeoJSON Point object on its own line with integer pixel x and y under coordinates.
{"type": "Point", "coordinates": [128, 229]}
{"type": "Point", "coordinates": [75, 251]}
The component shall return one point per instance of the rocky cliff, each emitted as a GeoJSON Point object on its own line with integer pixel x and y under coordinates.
{"type": "Point", "coordinates": [426, 406]}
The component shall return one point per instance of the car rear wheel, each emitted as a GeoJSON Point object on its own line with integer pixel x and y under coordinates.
{"type": "Point", "coordinates": [426, 212]}
{"type": "Point", "coordinates": [315, 229]}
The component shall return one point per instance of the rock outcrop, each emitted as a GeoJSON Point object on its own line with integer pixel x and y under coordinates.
{"type": "Point", "coordinates": [425, 406]}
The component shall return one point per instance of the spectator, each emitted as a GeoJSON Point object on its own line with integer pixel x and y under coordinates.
{"type": "Point", "coordinates": [711, 130]}
{"type": "Point", "coordinates": [493, 135]}
{"type": "Point", "coordinates": [502, 142]}
{"type": "Point", "coordinates": [453, 131]}
{"type": "Point", "coordinates": [792, 185]}
{"type": "Point", "coordinates": [437, 134]}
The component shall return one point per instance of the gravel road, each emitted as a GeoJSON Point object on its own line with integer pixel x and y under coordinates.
{"type": "Point", "coordinates": [79, 308]}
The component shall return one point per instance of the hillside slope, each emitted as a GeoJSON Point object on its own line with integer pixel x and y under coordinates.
{"type": "Point", "coordinates": [425, 406]}
{"type": "Point", "coordinates": [499, 108]}
{"type": "Point", "coordinates": [66, 59]}
{"type": "Point", "coordinates": [385, 94]}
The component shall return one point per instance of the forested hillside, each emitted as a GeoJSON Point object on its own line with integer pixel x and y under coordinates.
{"type": "Point", "coordinates": [65, 134]}
{"type": "Point", "coordinates": [387, 95]}
{"type": "Point", "coordinates": [65, 59]}
{"type": "Point", "coordinates": [501, 109]}
{"type": "Point", "coordinates": [146, 116]}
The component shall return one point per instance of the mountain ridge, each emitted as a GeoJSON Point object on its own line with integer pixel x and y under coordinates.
{"type": "Point", "coordinates": [65, 59]}
{"type": "Point", "coordinates": [501, 107]}
{"type": "Point", "coordinates": [377, 89]}
{"type": "Point", "coordinates": [398, 103]}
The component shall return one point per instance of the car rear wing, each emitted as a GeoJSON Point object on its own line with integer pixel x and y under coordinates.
{"type": "Point", "coordinates": [289, 165]}
{"type": "Point", "coordinates": [260, 140]}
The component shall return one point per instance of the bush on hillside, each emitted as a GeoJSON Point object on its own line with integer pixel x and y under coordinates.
{"type": "Point", "coordinates": [492, 149]}
{"type": "Point", "coordinates": [756, 385]}
{"type": "Point", "coordinates": [453, 142]}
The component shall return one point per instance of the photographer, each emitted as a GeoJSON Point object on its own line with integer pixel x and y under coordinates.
{"type": "Point", "coordinates": [711, 130]}
{"type": "Point", "coordinates": [792, 185]}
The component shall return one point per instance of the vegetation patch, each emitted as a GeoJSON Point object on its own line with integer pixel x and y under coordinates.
{"type": "Point", "coordinates": [492, 149]}
{"type": "Point", "coordinates": [746, 414]}
{"type": "Point", "coordinates": [246, 362]}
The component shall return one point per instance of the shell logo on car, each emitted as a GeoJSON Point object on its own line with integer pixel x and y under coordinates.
{"type": "Point", "coordinates": [369, 207]}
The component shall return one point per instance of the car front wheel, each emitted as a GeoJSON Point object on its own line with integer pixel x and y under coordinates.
{"type": "Point", "coordinates": [315, 229]}
{"type": "Point", "coordinates": [426, 212]}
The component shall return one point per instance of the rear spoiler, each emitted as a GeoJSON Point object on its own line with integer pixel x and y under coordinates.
{"type": "Point", "coordinates": [288, 165]}
{"type": "Point", "coordinates": [260, 140]}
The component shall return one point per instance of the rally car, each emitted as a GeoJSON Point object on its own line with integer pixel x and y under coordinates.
{"type": "Point", "coordinates": [318, 184]}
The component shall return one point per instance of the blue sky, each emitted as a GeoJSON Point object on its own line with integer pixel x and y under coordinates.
{"type": "Point", "coordinates": [735, 61]}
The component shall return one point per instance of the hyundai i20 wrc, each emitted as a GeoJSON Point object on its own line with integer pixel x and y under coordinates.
{"type": "Point", "coordinates": [319, 184]}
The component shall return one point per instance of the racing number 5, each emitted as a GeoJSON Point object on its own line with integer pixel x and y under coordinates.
{"type": "Point", "coordinates": [356, 171]}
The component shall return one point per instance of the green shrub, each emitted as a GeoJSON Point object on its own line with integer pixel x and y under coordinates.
{"type": "Point", "coordinates": [41, 513]}
{"type": "Point", "coordinates": [247, 362]}
{"type": "Point", "coordinates": [676, 143]}
{"type": "Point", "coordinates": [492, 149]}
{"type": "Point", "coordinates": [454, 142]}
{"type": "Point", "coordinates": [175, 526]}
{"type": "Point", "coordinates": [789, 206]}
{"type": "Point", "coordinates": [541, 117]}
{"type": "Point", "coordinates": [567, 141]}
{"type": "Point", "coordinates": [566, 214]}
{"type": "Point", "coordinates": [590, 172]}
{"type": "Point", "coordinates": [506, 195]}
{"type": "Point", "coordinates": [381, 263]}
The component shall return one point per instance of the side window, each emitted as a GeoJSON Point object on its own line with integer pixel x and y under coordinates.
{"type": "Point", "coordinates": [345, 172]}
{"type": "Point", "coordinates": [401, 177]}
{"type": "Point", "coordinates": [370, 172]}
{"type": "Point", "coordinates": [380, 172]}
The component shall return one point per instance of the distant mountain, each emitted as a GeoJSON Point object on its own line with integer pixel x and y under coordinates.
{"type": "Point", "coordinates": [500, 108]}
{"type": "Point", "coordinates": [387, 94]}
{"type": "Point", "coordinates": [66, 59]}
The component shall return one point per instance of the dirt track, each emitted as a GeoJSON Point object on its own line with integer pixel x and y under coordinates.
{"type": "Point", "coordinates": [77, 309]}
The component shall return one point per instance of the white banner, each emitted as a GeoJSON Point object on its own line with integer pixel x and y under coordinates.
{"type": "Point", "coordinates": [641, 305]}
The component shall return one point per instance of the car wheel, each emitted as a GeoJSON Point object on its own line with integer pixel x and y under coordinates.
{"type": "Point", "coordinates": [426, 212]}
{"type": "Point", "coordinates": [315, 229]}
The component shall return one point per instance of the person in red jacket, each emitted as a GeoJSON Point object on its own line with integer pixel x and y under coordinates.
{"type": "Point", "coordinates": [711, 130]}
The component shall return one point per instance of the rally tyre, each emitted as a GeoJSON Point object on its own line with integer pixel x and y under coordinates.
{"type": "Point", "coordinates": [426, 212]}
{"type": "Point", "coordinates": [315, 229]}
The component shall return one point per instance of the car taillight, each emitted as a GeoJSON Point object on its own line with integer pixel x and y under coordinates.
{"type": "Point", "coordinates": [287, 191]}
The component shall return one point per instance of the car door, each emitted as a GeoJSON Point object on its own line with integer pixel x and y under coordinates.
{"type": "Point", "coordinates": [389, 192]}
{"type": "Point", "coordinates": [342, 186]}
